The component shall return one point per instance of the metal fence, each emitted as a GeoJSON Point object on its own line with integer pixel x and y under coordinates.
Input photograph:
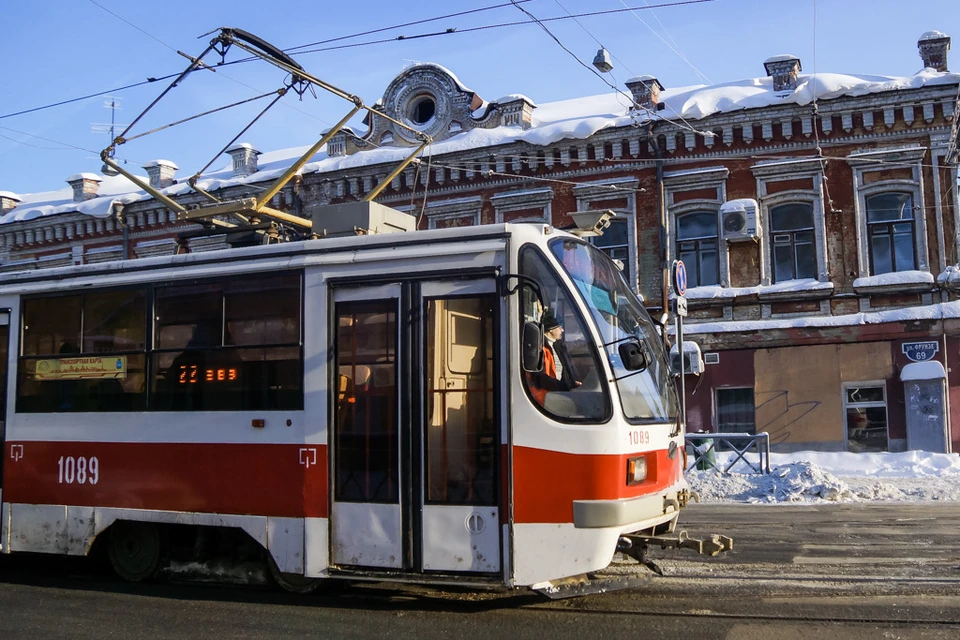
{"type": "Point", "coordinates": [751, 449]}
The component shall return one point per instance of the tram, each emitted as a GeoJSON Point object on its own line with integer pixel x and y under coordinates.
{"type": "Point", "coordinates": [365, 408]}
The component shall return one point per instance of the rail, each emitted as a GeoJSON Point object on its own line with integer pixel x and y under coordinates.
{"type": "Point", "coordinates": [702, 449]}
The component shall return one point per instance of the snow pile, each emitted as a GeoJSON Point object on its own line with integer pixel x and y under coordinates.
{"type": "Point", "coordinates": [810, 477]}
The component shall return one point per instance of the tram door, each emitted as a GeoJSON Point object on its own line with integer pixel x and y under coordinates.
{"type": "Point", "coordinates": [4, 353]}
{"type": "Point", "coordinates": [416, 439]}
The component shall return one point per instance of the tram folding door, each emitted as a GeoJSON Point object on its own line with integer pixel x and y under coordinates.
{"type": "Point", "coordinates": [416, 438]}
{"type": "Point", "coordinates": [4, 356]}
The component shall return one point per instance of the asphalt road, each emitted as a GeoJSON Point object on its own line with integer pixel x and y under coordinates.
{"type": "Point", "coordinates": [849, 571]}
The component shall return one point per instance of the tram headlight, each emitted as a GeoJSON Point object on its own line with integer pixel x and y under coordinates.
{"type": "Point", "coordinates": [636, 470]}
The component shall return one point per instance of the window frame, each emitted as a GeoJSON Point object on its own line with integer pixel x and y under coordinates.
{"type": "Point", "coordinates": [693, 208]}
{"type": "Point", "coordinates": [893, 159]}
{"type": "Point", "coordinates": [593, 192]}
{"type": "Point", "coordinates": [150, 351]}
{"type": "Point", "coordinates": [845, 387]}
{"type": "Point", "coordinates": [769, 174]}
{"type": "Point", "coordinates": [816, 215]}
{"type": "Point", "coordinates": [889, 225]}
{"type": "Point", "coordinates": [716, 408]}
{"type": "Point", "coordinates": [676, 183]}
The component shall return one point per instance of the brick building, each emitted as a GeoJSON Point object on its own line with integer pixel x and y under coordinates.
{"type": "Point", "coordinates": [816, 215]}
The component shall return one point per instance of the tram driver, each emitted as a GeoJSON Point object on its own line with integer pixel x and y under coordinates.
{"type": "Point", "coordinates": [558, 373]}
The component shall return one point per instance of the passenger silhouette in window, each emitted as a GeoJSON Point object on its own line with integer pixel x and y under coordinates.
{"type": "Point", "coordinates": [67, 389]}
{"type": "Point", "coordinates": [558, 373]}
{"type": "Point", "coordinates": [186, 375]}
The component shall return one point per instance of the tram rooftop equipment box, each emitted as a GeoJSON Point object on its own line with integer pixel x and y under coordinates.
{"type": "Point", "coordinates": [357, 218]}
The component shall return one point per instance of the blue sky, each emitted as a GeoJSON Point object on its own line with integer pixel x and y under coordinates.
{"type": "Point", "coordinates": [64, 49]}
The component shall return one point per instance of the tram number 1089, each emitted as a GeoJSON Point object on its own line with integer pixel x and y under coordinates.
{"type": "Point", "coordinates": [78, 470]}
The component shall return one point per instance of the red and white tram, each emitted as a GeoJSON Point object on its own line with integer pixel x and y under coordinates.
{"type": "Point", "coordinates": [363, 408]}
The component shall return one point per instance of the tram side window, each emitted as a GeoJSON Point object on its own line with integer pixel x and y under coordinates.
{"type": "Point", "coordinates": [569, 387]}
{"type": "Point", "coordinates": [229, 345]}
{"type": "Point", "coordinates": [83, 352]}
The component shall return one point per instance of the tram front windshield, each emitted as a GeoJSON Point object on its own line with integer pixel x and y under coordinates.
{"type": "Point", "coordinates": [648, 395]}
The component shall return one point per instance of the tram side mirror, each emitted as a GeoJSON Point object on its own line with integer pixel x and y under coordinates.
{"type": "Point", "coordinates": [532, 347]}
{"type": "Point", "coordinates": [633, 356]}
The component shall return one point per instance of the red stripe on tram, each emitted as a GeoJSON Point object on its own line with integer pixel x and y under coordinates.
{"type": "Point", "coordinates": [279, 480]}
{"type": "Point", "coordinates": [546, 483]}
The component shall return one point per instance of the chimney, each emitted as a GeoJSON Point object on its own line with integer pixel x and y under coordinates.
{"type": "Point", "coordinates": [516, 111]}
{"type": "Point", "coordinates": [161, 173]}
{"type": "Point", "coordinates": [8, 201]}
{"type": "Point", "coordinates": [84, 186]}
{"type": "Point", "coordinates": [933, 46]}
{"type": "Point", "coordinates": [784, 70]}
{"type": "Point", "coordinates": [244, 159]}
{"type": "Point", "coordinates": [646, 92]}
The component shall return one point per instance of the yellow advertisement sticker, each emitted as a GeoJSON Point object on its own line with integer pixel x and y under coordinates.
{"type": "Point", "coordinates": [77, 368]}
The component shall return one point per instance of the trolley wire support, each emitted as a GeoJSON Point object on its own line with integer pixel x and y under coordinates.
{"type": "Point", "coordinates": [250, 210]}
{"type": "Point", "coordinates": [703, 447]}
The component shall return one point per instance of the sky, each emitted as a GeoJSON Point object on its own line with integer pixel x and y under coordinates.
{"type": "Point", "coordinates": [61, 50]}
{"type": "Point", "coordinates": [819, 477]}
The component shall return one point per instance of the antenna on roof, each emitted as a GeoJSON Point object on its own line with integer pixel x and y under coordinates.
{"type": "Point", "coordinates": [110, 103]}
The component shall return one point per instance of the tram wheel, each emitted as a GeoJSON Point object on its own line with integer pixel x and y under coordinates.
{"type": "Point", "coordinates": [291, 582]}
{"type": "Point", "coordinates": [134, 550]}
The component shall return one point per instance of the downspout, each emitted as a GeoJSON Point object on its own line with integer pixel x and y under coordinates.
{"type": "Point", "coordinates": [122, 221]}
{"type": "Point", "coordinates": [938, 209]}
{"type": "Point", "coordinates": [662, 231]}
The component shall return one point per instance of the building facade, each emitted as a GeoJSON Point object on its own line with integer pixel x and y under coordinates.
{"type": "Point", "coordinates": [816, 216]}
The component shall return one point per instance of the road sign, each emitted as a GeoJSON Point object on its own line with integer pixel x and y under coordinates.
{"type": "Point", "coordinates": [681, 309]}
{"type": "Point", "coordinates": [920, 351]}
{"type": "Point", "coordinates": [679, 278]}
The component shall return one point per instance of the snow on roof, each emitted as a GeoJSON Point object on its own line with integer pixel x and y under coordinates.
{"type": "Point", "coordinates": [513, 97]}
{"type": "Point", "coordinates": [781, 58]}
{"type": "Point", "coordinates": [112, 189]}
{"type": "Point", "coordinates": [160, 163]}
{"type": "Point", "coordinates": [241, 145]}
{"type": "Point", "coordinates": [84, 176]}
{"type": "Point", "coordinates": [577, 118]}
{"type": "Point", "coordinates": [930, 370]}
{"type": "Point", "coordinates": [933, 35]}
{"type": "Point", "coordinates": [938, 311]}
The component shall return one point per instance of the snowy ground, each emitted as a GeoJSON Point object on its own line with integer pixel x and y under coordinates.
{"type": "Point", "coordinates": [809, 476]}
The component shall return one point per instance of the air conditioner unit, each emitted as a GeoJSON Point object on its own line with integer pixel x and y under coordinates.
{"type": "Point", "coordinates": [692, 358]}
{"type": "Point", "coordinates": [739, 220]}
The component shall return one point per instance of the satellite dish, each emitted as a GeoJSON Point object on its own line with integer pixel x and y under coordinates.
{"type": "Point", "coordinates": [602, 61]}
{"type": "Point", "coordinates": [107, 170]}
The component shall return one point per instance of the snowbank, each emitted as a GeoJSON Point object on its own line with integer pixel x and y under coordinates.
{"type": "Point", "coordinates": [811, 477]}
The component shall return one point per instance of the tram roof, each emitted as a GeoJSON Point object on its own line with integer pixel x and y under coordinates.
{"type": "Point", "coordinates": [288, 253]}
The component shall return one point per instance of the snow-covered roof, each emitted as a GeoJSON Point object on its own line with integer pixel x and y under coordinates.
{"type": "Point", "coordinates": [932, 35]}
{"type": "Point", "coordinates": [161, 163]}
{"type": "Point", "coordinates": [84, 176]}
{"type": "Point", "coordinates": [577, 118]}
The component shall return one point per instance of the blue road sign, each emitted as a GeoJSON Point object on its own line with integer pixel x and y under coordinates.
{"type": "Point", "coordinates": [679, 278]}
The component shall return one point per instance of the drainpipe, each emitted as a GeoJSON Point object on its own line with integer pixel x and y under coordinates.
{"type": "Point", "coordinates": [938, 208]}
{"type": "Point", "coordinates": [118, 213]}
{"type": "Point", "coordinates": [662, 231]}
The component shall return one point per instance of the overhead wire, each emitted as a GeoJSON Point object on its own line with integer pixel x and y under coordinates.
{"type": "Point", "coordinates": [673, 47]}
{"type": "Point", "coordinates": [149, 80]}
{"type": "Point", "coordinates": [616, 89]}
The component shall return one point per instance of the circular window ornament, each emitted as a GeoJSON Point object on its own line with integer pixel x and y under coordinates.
{"type": "Point", "coordinates": [422, 110]}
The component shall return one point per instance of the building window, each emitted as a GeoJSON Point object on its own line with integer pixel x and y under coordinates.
{"type": "Point", "coordinates": [615, 242]}
{"type": "Point", "coordinates": [697, 246]}
{"type": "Point", "coordinates": [735, 410]}
{"type": "Point", "coordinates": [890, 232]}
{"type": "Point", "coordinates": [865, 410]}
{"type": "Point", "coordinates": [794, 248]}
